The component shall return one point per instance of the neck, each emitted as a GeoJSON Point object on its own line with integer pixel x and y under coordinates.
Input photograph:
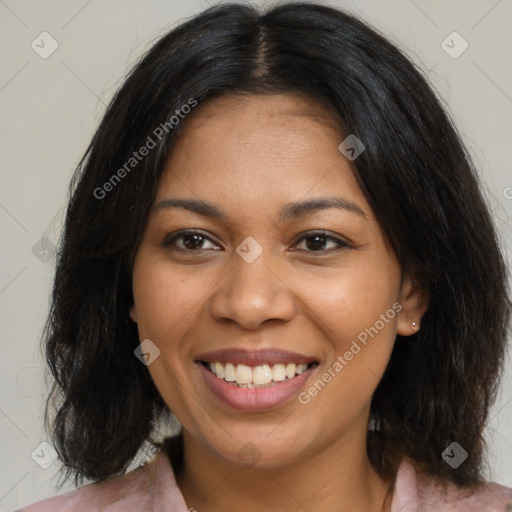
{"type": "Point", "coordinates": [336, 478]}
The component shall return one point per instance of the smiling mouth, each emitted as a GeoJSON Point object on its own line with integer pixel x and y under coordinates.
{"type": "Point", "coordinates": [261, 376]}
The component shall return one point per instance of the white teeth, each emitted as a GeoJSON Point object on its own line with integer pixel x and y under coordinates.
{"type": "Point", "coordinates": [278, 372]}
{"type": "Point", "coordinates": [262, 374]}
{"type": "Point", "coordinates": [290, 370]}
{"type": "Point", "coordinates": [219, 370]}
{"type": "Point", "coordinates": [301, 368]}
{"type": "Point", "coordinates": [243, 374]}
{"type": "Point", "coordinates": [229, 372]}
{"type": "Point", "coordinates": [255, 376]}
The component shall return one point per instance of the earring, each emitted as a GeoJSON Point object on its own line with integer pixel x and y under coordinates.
{"type": "Point", "coordinates": [414, 326]}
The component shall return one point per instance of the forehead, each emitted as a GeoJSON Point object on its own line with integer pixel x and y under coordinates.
{"type": "Point", "coordinates": [261, 106]}
{"type": "Point", "coordinates": [253, 148]}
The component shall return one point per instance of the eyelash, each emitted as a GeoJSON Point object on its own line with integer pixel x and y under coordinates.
{"type": "Point", "coordinates": [170, 240]}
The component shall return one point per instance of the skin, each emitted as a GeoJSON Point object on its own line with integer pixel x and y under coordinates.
{"type": "Point", "coordinates": [251, 155]}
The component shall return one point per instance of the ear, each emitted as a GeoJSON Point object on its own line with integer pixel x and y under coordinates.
{"type": "Point", "coordinates": [133, 313]}
{"type": "Point", "coordinates": [414, 301]}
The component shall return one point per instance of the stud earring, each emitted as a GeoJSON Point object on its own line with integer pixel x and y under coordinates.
{"type": "Point", "coordinates": [415, 326]}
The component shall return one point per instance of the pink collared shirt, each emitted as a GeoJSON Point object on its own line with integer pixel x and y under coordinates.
{"type": "Point", "coordinates": [153, 488]}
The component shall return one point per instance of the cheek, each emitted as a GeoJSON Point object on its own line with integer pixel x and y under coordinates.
{"type": "Point", "coordinates": [354, 299]}
{"type": "Point", "coordinates": [358, 318]}
{"type": "Point", "coordinates": [357, 312]}
{"type": "Point", "coordinates": [165, 301]}
{"type": "Point", "coordinates": [164, 297]}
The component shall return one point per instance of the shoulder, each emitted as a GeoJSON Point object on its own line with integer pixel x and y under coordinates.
{"type": "Point", "coordinates": [127, 491]}
{"type": "Point", "coordinates": [144, 489]}
{"type": "Point", "coordinates": [418, 493]}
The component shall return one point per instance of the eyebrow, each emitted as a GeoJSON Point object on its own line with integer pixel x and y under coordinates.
{"type": "Point", "coordinates": [290, 210]}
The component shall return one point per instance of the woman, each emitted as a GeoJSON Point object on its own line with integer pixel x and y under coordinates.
{"type": "Point", "coordinates": [277, 236]}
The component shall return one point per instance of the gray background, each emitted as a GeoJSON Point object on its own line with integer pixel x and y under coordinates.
{"type": "Point", "coordinates": [50, 107]}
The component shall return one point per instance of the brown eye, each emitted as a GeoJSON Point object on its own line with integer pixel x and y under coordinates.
{"type": "Point", "coordinates": [317, 242]}
{"type": "Point", "coordinates": [193, 241]}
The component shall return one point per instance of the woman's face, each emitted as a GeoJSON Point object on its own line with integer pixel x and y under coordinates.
{"type": "Point", "coordinates": [285, 267]}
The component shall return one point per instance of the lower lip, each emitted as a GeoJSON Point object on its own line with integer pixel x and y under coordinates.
{"type": "Point", "coordinates": [256, 399]}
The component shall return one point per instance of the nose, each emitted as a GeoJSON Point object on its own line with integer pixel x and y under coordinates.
{"type": "Point", "coordinates": [253, 293]}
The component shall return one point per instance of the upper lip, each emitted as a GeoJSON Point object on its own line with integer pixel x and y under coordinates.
{"type": "Point", "coordinates": [268, 356]}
